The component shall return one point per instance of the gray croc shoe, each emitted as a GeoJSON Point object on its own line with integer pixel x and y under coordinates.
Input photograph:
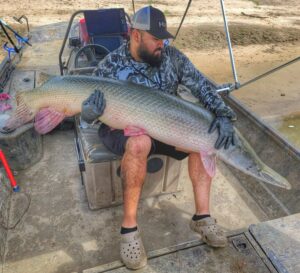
{"type": "Point", "coordinates": [132, 250]}
{"type": "Point", "coordinates": [210, 232]}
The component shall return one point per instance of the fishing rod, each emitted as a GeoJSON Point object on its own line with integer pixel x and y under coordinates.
{"type": "Point", "coordinates": [5, 26]}
{"type": "Point", "coordinates": [19, 20]}
{"type": "Point", "coordinates": [24, 40]}
{"type": "Point", "coordinates": [183, 17]}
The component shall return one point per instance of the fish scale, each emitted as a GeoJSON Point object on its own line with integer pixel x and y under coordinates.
{"type": "Point", "coordinates": [162, 116]}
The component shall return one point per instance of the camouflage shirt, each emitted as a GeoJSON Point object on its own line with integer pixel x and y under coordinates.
{"type": "Point", "coordinates": [175, 69]}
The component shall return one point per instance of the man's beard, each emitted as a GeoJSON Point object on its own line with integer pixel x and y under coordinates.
{"type": "Point", "coordinates": [151, 59]}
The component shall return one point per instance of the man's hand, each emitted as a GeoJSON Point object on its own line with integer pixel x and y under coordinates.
{"type": "Point", "coordinates": [226, 132]}
{"type": "Point", "coordinates": [93, 107]}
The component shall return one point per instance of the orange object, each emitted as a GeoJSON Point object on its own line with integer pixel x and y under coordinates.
{"type": "Point", "coordinates": [84, 36]}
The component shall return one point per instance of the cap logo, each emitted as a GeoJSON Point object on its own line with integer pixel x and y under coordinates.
{"type": "Point", "coordinates": [162, 24]}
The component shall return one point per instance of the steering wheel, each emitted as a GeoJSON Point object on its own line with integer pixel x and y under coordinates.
{"type": "Point", "coordinates": [92, 52]}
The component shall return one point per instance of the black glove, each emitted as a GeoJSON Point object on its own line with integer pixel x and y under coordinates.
{"type": "Point", "coordinates": [226, 132]}
{"type": "Point", "coordinates": [93, 107]}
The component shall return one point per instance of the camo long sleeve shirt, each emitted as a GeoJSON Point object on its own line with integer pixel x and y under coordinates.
{"type": "Point", "coordinates": [175, 69]}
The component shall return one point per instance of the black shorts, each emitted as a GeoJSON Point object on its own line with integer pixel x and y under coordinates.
{"type": "Point", "coordinates": [115, 141]}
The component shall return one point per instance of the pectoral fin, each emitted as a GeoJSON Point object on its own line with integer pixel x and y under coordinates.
{"type": "Point", "coordinates": [134, 131]}
{"type": "Point", "coordinates": [47, 119]}
{"type": "Point", "coordinates": [209, 163]}
{"type": "Point", "coordinates": [4, 107]}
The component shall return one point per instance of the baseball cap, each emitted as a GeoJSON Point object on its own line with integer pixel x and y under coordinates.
{"type": "Point", "coordinates": [151, 20]}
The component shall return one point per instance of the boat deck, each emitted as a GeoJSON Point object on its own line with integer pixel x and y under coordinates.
{"type": "Point", "coordinates": [50, 228]}
{"type": "Point", "coordinates": [58, 232]}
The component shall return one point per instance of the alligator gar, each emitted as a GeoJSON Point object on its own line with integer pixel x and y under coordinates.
{"type": "Point", "coordinates": [138, 109]}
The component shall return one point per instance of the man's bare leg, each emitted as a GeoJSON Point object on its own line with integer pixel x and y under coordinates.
{"type": "Point", "coordinates": [133, 166]}
{"type": "Point", "coordinates": [202, 223]}
{"type": "Point", "coordinates": [201, 183]}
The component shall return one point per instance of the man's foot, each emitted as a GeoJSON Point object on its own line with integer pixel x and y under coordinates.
{"type": "Point", "coordinates": [210, 232]}
{"type": "Point", "coordinates": [132, 250]}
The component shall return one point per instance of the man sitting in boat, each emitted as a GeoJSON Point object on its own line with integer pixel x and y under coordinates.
{"type": "Point", "coordinates": [145, 60]}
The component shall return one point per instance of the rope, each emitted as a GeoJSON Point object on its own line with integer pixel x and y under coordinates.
{"type": "Point", "coordinates": [270, 72]}
{"type": "Point", "coordinates": [186, 10]}
{"type": "Point", "coordinates": [13, 226]}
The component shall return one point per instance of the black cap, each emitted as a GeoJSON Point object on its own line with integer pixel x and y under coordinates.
{"type": "Point", "coordinates": [153, 21]}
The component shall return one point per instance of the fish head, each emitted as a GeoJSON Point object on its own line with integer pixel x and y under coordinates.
{"type": "Point", "coordinates": [243, 157]}
{"type": "Point", "coordinates": [20, 116]}
{"type": "Point", "coordinates": [270, 176]}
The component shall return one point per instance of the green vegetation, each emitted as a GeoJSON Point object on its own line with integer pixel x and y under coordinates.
{"type": "Point", "coordinates": [256, 2]}
{"type": "Point", "coordinates": [167, 13]}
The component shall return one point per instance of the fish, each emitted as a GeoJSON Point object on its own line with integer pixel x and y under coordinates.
{"type": "Point", "coordinates": [138, 110]}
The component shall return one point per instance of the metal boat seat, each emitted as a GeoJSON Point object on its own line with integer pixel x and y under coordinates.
{"type": "Point", "coordinates": [100, 32]}
{"type": "Point", "coordinates": [100, 170]}
{"type": "Point", "coordinates": [106, 27]}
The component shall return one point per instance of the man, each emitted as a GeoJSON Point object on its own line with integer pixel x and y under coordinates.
{"type": "Point", "coordinates": [145, 60]}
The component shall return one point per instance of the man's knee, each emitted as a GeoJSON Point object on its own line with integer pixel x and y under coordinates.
{"type": "Point", "coordinates": [139, 145]}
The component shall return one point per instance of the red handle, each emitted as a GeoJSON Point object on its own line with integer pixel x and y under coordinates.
{"type": "Point", "coordinates": [8, 171]}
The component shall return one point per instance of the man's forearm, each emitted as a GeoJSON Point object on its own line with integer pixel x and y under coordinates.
{"type": "Point", "coordinates": [213, 101]}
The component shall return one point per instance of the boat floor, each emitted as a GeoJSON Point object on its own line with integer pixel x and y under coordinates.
{"type": "Point", "coordinates": [53, 230]}
{"type": "Point", "coordinates": [58, 232]}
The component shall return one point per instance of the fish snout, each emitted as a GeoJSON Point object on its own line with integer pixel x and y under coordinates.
{"type": "Point", "coordinates": [4, 120]}
{"type": "Point", "coordinates": [12, 123]}
{"type": "Point", "coordinates": [275, 179]}
{"type": "Point", "coordinates": [6, 130]}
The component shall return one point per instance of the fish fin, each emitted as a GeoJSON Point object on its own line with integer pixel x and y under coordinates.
{"type": "Point", "coordinates": [42, 78]}
{"type": "Point", "coordinates": [4, 107]}
{"type": "Point", "coordinates": [209, 163]}
{"type": "Point", "coordinates": [47, 119]}
{"type": "Point", "coordinates": [134, 131]}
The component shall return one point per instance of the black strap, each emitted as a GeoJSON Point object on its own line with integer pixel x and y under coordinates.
{"type": "Point", "coordinates": [158, 84]}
